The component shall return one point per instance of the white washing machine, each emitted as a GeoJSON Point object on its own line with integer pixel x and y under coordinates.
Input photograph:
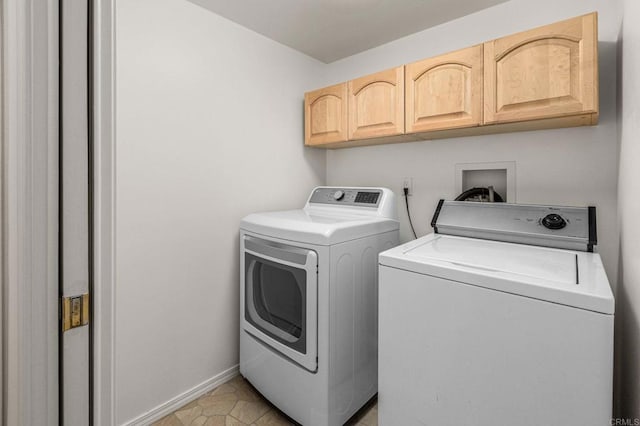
{"type": "Point", "coordinates": [503, 316]}
{"type": "Point", "coordinates": [308, 301]}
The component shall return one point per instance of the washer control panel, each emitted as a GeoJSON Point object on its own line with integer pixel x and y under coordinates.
{"type": "Point", "coordinates": [552, 226]}
{"type": "Point", "coordinates": [347, 196]}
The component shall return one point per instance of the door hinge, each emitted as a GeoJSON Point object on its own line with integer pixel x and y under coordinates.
{"type": "Point", "coordinates": [75, 311]}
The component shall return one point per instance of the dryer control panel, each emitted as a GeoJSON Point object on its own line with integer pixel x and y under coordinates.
{"type": "Point", "coordinates": [356, 197]}
{"type": "Point", "coordinates": [352, 200]}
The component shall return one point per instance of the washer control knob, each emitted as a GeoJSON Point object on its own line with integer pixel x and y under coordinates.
{"type": "Point", "coordinates": [553, 221]}
{"type": "Point", "coordinates": [338, 195]}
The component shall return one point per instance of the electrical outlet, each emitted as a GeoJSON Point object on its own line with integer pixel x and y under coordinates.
{"type": "Point", "coordinates": [407, 182]}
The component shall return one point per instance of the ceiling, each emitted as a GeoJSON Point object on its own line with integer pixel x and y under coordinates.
{"type": "Point", "coordinates": [329, 30]}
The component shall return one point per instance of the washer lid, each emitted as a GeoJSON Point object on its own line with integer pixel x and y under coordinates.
{"type": "Point", "coordinates": [316, 226]}
{"type": "Point", "coordinates": [566, 277]}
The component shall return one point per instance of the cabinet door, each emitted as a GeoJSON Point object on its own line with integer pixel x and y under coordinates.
{"type": "Point", "coordinates": [325, 115]}
{"type": "Point", "coordinates": [551, 71]}
{"type": "Point", "coordinates": [444, 92]}
{"type": "Point", "coordinates": [376, 105]}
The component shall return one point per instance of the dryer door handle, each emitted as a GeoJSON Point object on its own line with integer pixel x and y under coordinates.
{"type": "Point", "coordinates": [277, 251]}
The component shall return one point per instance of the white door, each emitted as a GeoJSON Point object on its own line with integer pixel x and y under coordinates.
{"type": "Point", "coordinates": [75, 237]}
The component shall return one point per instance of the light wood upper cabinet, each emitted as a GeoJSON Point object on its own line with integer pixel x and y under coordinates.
{"type": "Point", "coordinates": [539, 79]}
{"type": "Point", "coordinates": [325, 115]}
{"type": "Point", "coordinates": [444, 92]}
{"type": "Point", "coordinates": [551, 71]}
{"type": "Point", "coordinates": [376, 105]}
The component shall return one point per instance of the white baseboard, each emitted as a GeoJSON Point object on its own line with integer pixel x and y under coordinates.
{"type": "Point", "coordinates": [184, 398]}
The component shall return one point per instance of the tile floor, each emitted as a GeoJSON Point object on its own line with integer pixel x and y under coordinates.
{"type": "Point", "coordinates": [237, 403]}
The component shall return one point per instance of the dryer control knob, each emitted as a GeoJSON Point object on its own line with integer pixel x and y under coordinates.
{"type": "Point", "coordinates": [338, 195]}
{"type": "Point", "coordinates": [553, 221]}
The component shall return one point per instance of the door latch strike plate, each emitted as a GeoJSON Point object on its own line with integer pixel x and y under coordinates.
{"type": "Point", "coordinates": [75, 311]}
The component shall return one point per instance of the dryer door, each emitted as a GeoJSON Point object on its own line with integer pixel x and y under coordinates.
{"type": "Point", "coordinates": [280, 298]}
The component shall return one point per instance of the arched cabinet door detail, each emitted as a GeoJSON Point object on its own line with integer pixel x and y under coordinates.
{"type": "Point", "coordinates": [376, 105]}
{"type": "Point", "coordinates": [444, 92]}
{"type": "Point", "coordinates": [543, 78]}
{"type": "Point", "coordinates": [325, 117]}
{"type": "Point", "coordinates": [550, 71]}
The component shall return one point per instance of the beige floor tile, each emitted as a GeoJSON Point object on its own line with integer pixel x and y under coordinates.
{"type": "Point", "coordinates": [243, 384]}
{"type": "Point", "coordinates": [245, 390]}
{"type": "Point", "coordinates": [239, 380]}
{"type": "Point", "coordinates": [248, 412]}
{"type": "Point", "coordinates": [371, 417]}
{"type": "Point", "coordinates": [273, 418]}
{"type": "Point", "coordinates": [188, 415]}
{"type": "Point", "coordinates": [223, 388]}
{"type": "Point", "coordinates": [231, 396]}
{"type": "Point", "coordinates": [200, 421]}
{"type": "Point", "coordinates": [248, 395]}
{"type": "Point", "coordinates": [189, 405]}
{"type": "Point", "coordinates": [237, 403]}
{"type": "Point", "coordinates": [214, 407]}
{"type": "Point", "coordinates": [232, 421]}
{"type": "Point", "coordinates": [217, 404]}
{"type": "Point", "coordinates": [216, 421]}
{"type": "Point", "coordinates": [170, 420]}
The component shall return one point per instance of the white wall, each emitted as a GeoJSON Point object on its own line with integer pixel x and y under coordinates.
{"type": "Point", "coordinates": [576, 166]}
{"type": "Point", "coordinates": [208, 129]}
{"type": "Point", "coordinates": [628, 297]}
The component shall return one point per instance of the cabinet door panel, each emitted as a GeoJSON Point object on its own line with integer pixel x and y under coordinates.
{"type": "Point", "coordinates": [444, 92]}
{"type": "Point", "coordinates": [547, 72]}
{"type": "Point", "coordinates": [376, 105]}
{"type": "Point", "coordinates": [325, 116]}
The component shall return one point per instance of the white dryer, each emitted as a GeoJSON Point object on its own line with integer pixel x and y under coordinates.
{"type": "Point", "coordinates": [308, 301]}
{"type": "Point", "coordinates": [503, 316]}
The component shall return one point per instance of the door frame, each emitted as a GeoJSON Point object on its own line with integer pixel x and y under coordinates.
{"type": "Point", "coordinates": [104, 203]}
{"type": "Point", "coordinates": [30, 211]}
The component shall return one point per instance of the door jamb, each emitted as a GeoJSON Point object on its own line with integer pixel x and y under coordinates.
{"type": "Point", "coordinates": [104, 189]}
{"type": "Point", "coordinates": [30, 211]}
